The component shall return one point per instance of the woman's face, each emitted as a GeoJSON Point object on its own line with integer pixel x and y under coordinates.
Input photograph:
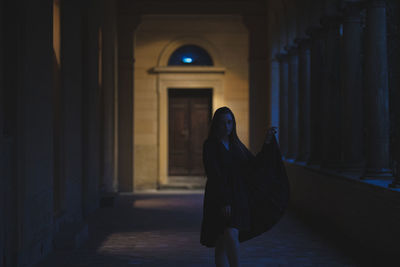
{"type": "Point", "coordinates": [225, 124]}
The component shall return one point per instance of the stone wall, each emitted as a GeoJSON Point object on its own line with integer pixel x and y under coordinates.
{"type": "Point", "coordinates": [367, 213]}
{"type": "Point", "coordinates": [228, 38]}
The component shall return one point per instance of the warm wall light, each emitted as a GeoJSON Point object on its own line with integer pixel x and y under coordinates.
{"type": "Point", "coordinates": [58, 178]}
{"type": "Point", "coordinates": [57, 31]}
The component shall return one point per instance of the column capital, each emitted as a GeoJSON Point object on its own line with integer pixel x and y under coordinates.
{"type": "Point", "coordinates": [376, 3]}
{"type": "Point", "coordinates": [292, 49]}
{"type": "Point", "coordinates": [315, 31]}
{"type": "Point", "coordinates": [281, 57]}
{"type": "Point", "coordinates": [331, 22]}
{"type": "Point", "coordinates": [303, 43]}
{"type": "Point", "coordinates": [352, 11]}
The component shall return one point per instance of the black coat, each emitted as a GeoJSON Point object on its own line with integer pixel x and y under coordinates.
{"type": "Point", "coordinates": [256, 187]}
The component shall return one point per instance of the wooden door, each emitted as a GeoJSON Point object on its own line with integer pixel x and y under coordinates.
{"type": "Point", "coordinates": [189, 118]}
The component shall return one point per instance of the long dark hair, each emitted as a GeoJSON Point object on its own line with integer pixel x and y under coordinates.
{"type": "Point", "coordinates": [233, 137]}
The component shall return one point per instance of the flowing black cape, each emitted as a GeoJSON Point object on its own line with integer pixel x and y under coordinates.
{"type": "Point", "coordinates": [268, 189]}
{"type": "Point", "coordinates": [266, 185]}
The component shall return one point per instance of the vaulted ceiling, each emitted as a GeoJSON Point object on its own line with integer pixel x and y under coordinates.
{"type": "Point", "coordinates": [139, 7]}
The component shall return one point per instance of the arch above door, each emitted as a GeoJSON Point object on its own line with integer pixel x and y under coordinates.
{"type": "Point", "coordinates": [189, 40]}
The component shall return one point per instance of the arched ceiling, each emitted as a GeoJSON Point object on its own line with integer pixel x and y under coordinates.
{"type": "Point", "coordinates": [136, 7]}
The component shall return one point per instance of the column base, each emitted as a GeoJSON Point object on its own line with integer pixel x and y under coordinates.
{"type": "Point", "coordinates": [72, 235]}
{"type": "Point", "coordinates": [353, 168]}
{"type": "Point", "coordinates": [107, 199]}
{"type": "Point", "coordinates": [395, 184]}
{"type": "Point", "coordinates": [377, 174]}
{"type": "Point", "coordinates": [331, 165]}
{"type": "Point", "coordinates": [304, 158]}
{"type": "Point", "coordinates": [356, 173]}
{"type": "Point", "coordinates": [290, 160]}
{"type": "Point", "coordinates": [290, 156]}
{"type": "Point", "coordinates": [313, 162]}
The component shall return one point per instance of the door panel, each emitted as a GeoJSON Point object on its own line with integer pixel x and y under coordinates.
{"type": "Point", "coordinates": [189, 118]}
{"type": "Point", "coordinates": [200, 117]}
{"type": "Point", "coordinates": [178, 135]}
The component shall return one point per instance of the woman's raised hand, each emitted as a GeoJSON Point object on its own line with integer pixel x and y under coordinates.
{"type": "Point", "coordinates": [270, 133]}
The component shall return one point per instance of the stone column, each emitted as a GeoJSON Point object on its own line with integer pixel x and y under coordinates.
{"type": "Point", "coordinates": [1, 81]}
{"type": "Point", "coordinates": [33, 173]}
{"type": "Point", "coordinates": [109, 183]}
{"type": "Point", "coordinates": [259, 63]}
{"type": "Point", "coordinates": [317, 65]}
{"type": "Point", "coordinates": [12, 23]}
{"type": "Point", "coordinates": [91, 108]}
{"type": "Point", "coordinates": [352, 114]}
{"type": "Point", "coordinates": [283, 102]}
{"type": "Point", "coordinates": [3, 178]}
{"type": "Point", "coordinates": [126, 27]}
{"type": "Point", "coordinates": [274, 96]}
{"type": "Point", "coordinates": [376, 90]}
{"type": "Point", "coordinates": [331, 95]}
{"type": "Point", "coordinates": [393, 19]}
{"type": "Point", "coordinates": [304, 99]}
{"type": "Point", "coordinates": [71, 98]}
{"type": "Point", "coordinates": [293, 103]}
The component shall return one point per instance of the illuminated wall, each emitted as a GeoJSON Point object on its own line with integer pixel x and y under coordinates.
{"type": "Point", "coordinates": [226, 39]}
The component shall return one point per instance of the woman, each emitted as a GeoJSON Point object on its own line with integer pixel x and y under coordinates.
{"type": "Point", "coordinates": [245, 195]}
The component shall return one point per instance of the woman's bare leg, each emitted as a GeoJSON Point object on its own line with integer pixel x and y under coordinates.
{"type": "Point", "coordinates": [220, 253]}
{"type": "Point", "coordinates": [231, 242]}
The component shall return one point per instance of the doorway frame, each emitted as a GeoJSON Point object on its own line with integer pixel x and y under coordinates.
{"type": "Point", "coordinates": [182, 78]}
{"type": "Point", "coordinates": [173, 93]}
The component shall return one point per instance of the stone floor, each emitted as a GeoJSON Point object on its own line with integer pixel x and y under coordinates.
{"type": "Point", "coordinates": [162, 229]}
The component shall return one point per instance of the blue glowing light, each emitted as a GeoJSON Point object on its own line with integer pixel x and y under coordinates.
{"type": "Point", "coordinates": [190, 55]}
{"type": "Point", "coordinates": [187, 60]}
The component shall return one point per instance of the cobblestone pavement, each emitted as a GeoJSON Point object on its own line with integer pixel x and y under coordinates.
{"type": "Point", "coordinates": [162, 229]}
